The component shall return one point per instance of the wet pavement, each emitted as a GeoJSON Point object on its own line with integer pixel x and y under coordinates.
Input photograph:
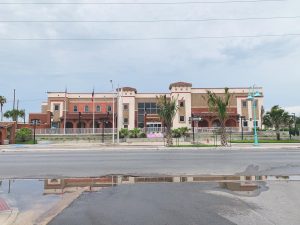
{"type": "Point", "coordinates": [176, 200]}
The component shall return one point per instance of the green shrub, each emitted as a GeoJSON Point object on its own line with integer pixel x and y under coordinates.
{"type": "Point", "coordinates": [142, 135]}
{"type": "Point", "coordinates": [134, 133]}
{"type": "Point", "coordinates": [123, 133]}
{"type": "Point", "coordinates": [24, 134]}
{"type": "Point", "coordinates": [176, 133]}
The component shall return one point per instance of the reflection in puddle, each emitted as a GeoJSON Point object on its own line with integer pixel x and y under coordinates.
{"type": "Point", "coordinates": [30, 200]}
{"type": "Point", "coordinates": [234, 183]}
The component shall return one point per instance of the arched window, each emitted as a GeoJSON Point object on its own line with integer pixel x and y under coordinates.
{"type": "Point", "coordinates": [75, 109]}
{"type": "Point", "coordinates": [98, 108]}
{"type": "Point", "coordinates": [108, 108]}
{"type": "Point", "coordinates": [86, 108]}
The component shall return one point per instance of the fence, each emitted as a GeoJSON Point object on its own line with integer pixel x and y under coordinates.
{"type": "Point", "coordinates": [74, 131]}
{"type": "Point", "coordinates": [149, 130]}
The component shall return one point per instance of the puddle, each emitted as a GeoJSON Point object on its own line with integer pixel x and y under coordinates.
{"type": "Point", "coordinates": [30, 199]}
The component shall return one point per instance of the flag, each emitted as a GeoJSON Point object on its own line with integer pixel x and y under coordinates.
{"type": "Point", "coordinates": [93, 94]}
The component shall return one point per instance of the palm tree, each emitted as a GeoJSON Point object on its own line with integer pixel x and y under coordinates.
{"type": "Point", "coordinates": [135, 132]}
{"type": "Point", "coordinates": [2, 102]}
{"type": "Point", "coordinates": [167, 111]}
{"type": "Point", "coordinates": [14, 114]}
{"type": "Point", "coordinates": [219, 105]}
{"type": "Point", "coordinates": [277, 118]}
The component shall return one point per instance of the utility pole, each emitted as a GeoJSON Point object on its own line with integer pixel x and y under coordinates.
{"type": "Point", "coordinates": [14, 102]}
{"type": "Point", "coordinates": [113, 112]}
{"type": "Point", "coordinates": [17, 111]}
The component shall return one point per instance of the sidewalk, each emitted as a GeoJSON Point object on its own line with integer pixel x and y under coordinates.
{"type": "Point", "coordinates": [138, 146]}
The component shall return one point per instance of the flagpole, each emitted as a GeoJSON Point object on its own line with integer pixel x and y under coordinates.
{"type": "Point", "coordinates": [65, 112]}
{"type": "Point", "coordinates": [118, 111]}
{"type": "Point", "coordinates": [93, 94]}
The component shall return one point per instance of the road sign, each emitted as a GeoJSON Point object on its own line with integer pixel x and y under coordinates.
{"type": "Point", "coordinates": [195, 119]}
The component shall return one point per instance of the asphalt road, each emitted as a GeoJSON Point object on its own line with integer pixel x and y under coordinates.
{"type": "Point", "coordinates": [78, 163]}
{"type": "Point", "coordinates": [184, 203]}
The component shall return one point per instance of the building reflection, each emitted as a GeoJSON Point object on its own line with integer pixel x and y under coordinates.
{"type": "Point", "coordinates": [64, 185]}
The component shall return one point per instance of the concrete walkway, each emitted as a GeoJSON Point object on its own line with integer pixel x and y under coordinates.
{"type": "Point", "coordinates": [137, 146]}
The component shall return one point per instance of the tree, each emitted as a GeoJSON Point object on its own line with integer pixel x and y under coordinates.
{"type": "Point", "coordinates": [277, 118]}
{"type": "Point", "coordinates": [167, 111]}
{"type": "Point", "coordinates": [219, 104]}
{"type": "Point", "coordinates": [14, 114]}
{"type": "Point", "coordinates": [2, 102]}
{"type": "Point", "coordinates": [24, 134]}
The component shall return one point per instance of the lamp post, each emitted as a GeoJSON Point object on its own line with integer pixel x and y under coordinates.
{"type": "Point", "coordinates": [294, 120]}
{"type": "Point", "coordinates": [104, 122]}
{"type": "Point", "coordinates": [242, 125]}
{"type": "Point", "coordinates": [113, 112]}
{"type": "Point", "coordinates": [34, 123]}
{"type": "Point", "coordinates": [251, 97]}
{"type": "Point", "coordinates": [79, 121]}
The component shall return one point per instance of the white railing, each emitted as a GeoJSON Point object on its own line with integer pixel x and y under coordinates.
{"type": "Point", "coordinates": [149, 130]}
{"type": "Point", "coordinates": [152, 130]}
{"type": "Point", "coordinates": [74, 131]}
{"type": "Point", "coordinates": [215, 129]}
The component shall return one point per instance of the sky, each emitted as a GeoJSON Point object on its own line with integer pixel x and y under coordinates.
{"type": "Point", "coordinates": [149, 55]}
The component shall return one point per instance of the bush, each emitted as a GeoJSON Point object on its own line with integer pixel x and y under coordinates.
{"type": "Point", "coordinates": [142, 135]}
{"type": "Point", "coordinates": [123, 133]}
{"type": "Point", "coordinates": [179, 132]}
{"type": "Point", "coordinates": [176, 133]}
{"type": "Point", "coordinates": [24, 134]}
{"type": "Point", "coordinates": [134, 133]}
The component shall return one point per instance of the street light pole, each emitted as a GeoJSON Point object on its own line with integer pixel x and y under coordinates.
{"type": "Point", "coordinates": [113, 112]}
{"type": "Point", "coordinates": [251, 97]}
{"type": "Point", "coordinates": [34, 123]}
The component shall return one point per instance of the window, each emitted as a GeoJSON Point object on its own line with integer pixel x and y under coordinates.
{"type": "Point", "coordinates": [181, 119]}
{"type": "Point", "coordinates": [181, 103]}
{"type": "Point", "coordinates": [98, 108]}
{"type": "Point", "coordinates": [35, 121]}
{"type": "Point", "coordinates": [108, 108]}
{"type": "Point", "coordinates": [125, 126]}
{"type": "Point", "coordinates": [146, 108]}
{"type": "Point", "coordinates": [125, 120]}
{"type": "Point", "coordinates": [56, 107]}
{"type": "Point", "coordinates": [255, 123]}
{"type": "Point", "coordinates": [75, 108]}
{"type": "Point", "coordinates": [86, 108]}
{"type": "Point", "coordinates": [244, 104]}
{"type": "Point", "coordinates": [245, 123]}
{"type": "Point", "coordinates": [125, 107]}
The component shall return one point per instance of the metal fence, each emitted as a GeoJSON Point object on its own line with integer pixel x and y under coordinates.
{"type": "Point", "coordinates": [74, 131]}
{"type": "Point", "coordinates": [87, 131]}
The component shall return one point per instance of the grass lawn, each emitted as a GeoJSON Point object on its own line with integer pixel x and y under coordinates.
{"type": "Point", "coordinates": [267, 141]}
{"type": "Point", "coordinates": [197, 146]}
{"type": "Point", "coordinates": [30, 142]}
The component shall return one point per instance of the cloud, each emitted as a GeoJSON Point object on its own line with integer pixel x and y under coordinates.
{"type": "Point", "coordinates": [293, 109]}
{"type": "Point", "coordinates": [33, 67]}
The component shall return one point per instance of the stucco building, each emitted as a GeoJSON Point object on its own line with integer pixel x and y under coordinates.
{"type": "Point", "coordinates": [134, 109]}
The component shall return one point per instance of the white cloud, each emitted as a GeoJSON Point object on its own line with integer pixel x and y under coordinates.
{"type": "Point", "coordinates": [293, 109]}
{"type": "Point", "coordinates": [149, 65]}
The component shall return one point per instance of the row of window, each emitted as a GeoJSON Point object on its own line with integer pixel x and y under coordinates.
{"type": "Point", "coordinates": [86, 108]}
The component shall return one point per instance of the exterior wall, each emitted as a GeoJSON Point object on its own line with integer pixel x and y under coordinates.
{"type": "Point", "coordinates": [182, 93]}
{"type": "Point", "coordinates": [193, 98]}
{"type": "Point", "coordinates": [8, 132]}
{"type": "Point", "coordinates": [126, 97]}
